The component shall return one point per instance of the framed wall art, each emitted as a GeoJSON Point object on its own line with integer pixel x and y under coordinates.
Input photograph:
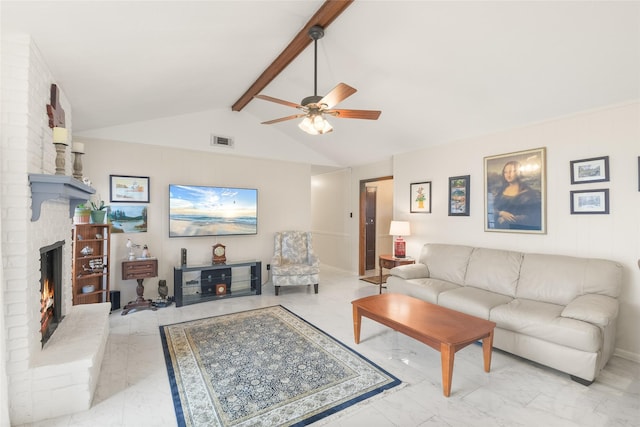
{"type": "Point", "coordinates": [129, 188]}
{"type": "Point", "coordinates": [128, 218]}
{"type": "Point", "coordinates": [590, 202]}
{"type": "Point", "coordinates": [459, 187]}
{"type": "Point", "coordinates": [515, 192]}
{"type": "Point", "coordinates": [420, 197]}
{"type": "Point", "coordinates": [590, 170]}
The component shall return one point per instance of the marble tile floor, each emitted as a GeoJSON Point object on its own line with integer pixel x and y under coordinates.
{"type": "Point", "coordinates": [133, 388]}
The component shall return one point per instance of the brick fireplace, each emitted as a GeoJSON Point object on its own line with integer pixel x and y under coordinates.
{"type": "Point", "coordinates": [50, 289]}
{"type": "Point", "coordinates": [68, 364]}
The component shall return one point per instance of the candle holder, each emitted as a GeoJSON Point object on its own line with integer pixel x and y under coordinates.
{"type": "Point", "coordinates": [60, 157]}
{"type": "Point", "coordinates": [77, 165]}
{"type": "Point", "coordinates": [78, 150]}
{"type": "Point", "coordinates": [60, 140]}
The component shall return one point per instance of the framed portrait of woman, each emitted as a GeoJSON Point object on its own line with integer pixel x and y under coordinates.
{"type": "Point", "coordinates": [515, 192]}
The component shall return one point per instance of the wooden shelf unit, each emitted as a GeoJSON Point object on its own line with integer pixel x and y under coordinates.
{"type": "Point", "coordinates": [91, 269]}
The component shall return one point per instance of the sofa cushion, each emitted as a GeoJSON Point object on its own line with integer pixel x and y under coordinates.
{"type": "Point", "coordinates": [474, 301]}
{"type": "Point", "coordinates": [560, 279]}
{"type": "Point", "coordinates": [603, 277]}
{"type": "Point", "coordinates": [410, 271]}
{"type": "Point", "coordinates": [425, 289]}
{"type": "Point", "coordinates": [554, 279]}
{"type": "Point", "coordinates": [543, 320]}
{"type": "Point", "coordinates": [446, 262]}
{"type": "Point", "coordinates": [494, 270]}
{"type": "Point", "coordinates": [592, 308]}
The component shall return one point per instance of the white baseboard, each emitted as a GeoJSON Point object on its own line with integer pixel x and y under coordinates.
{"type": "Point", "coordinates": [634, 357]}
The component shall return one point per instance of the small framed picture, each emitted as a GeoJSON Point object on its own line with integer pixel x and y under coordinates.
{"type": "Point", "coordinates": [129, 188]}
{"type": "Point", "coordinates": [128, 218]}
{"type": "Point", "coordinates": [590, 170]}
{"type": "Point", "coordinates": [459, 187]}
{"type": "Point", "coordinates": [590, 202]}
{"type": "Point", "coordinates": [420, 197]}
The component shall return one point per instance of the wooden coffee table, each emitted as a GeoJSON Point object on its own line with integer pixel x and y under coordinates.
{"type": "Point", "coordinates": [440, 328]}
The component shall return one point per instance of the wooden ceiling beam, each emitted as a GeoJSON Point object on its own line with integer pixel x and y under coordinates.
{"type": "Point", "coordinates": [327, 13]}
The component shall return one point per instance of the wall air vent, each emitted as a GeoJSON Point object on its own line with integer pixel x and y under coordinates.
{"type": "Point", "coordinates": [221, 141]}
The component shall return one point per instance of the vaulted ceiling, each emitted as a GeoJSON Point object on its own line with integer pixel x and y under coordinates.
{"type": "Point", "coordinates": [439, 71]}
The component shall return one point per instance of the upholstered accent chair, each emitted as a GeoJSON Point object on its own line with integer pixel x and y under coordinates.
{"type": "Point", "coordinates": [294, 262]}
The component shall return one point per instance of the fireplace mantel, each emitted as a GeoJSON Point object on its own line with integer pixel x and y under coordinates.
{"type": "Point", "coordinates": [45, 187]}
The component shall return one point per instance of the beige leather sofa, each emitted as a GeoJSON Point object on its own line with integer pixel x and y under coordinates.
{"type": "Point", "coordinates": [558, 311]}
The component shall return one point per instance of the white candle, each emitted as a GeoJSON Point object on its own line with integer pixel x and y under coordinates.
{"type": "Point", "coordinates": [60, 135]}
{"type": "Point", "coordinates": [78, 147]}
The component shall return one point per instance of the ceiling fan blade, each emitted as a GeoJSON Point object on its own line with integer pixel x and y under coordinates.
{"type": "Point", "coordinates": [282, 119]}
{"type": "Point", "coordinates": [337, 94]}
{"type": "Point", "coordinates": [278, 101]}
{"type": "Point", "coordinates": [355, 114]}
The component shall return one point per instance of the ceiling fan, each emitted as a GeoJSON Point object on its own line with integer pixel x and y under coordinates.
{"type": "Point", "coordinates": [315, 107]}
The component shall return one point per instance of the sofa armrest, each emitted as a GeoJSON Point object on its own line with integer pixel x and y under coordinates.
{"type": "Point", "coordinates": [410, 271]}
{"type": "Point", "coordinates": [593, 308]}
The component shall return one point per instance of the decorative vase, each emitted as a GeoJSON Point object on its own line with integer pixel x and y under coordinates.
{"type": "Point", "coordinates": [163, 289]}
{"type": "Point", "coordinates": [81, 215]}
{"type": "Point", "coordinates": [97, 217]}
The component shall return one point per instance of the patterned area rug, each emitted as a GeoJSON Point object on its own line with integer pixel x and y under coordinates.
{"type": "Point", "coordinates": [264, 367]}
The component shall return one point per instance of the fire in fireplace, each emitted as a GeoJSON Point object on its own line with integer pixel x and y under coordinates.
{"type": "Point", "coordinates": [50, 289]}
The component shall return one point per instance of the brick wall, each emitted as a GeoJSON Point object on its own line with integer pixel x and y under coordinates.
{"type": "Point", "coordinates": [27, 148]}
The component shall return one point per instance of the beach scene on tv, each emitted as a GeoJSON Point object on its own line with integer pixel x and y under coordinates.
{"type": "Point", "coordinates": [212, 211]}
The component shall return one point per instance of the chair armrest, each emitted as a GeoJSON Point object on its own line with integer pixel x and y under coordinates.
{"type": "Point", "coordinates": [410, 271]}
{"type": "Point", "coordinates": [276, 260]}
{"type": "Point", "coordinates": [593, 308]}
{"type": "Point", "coordinates": [314, 261]}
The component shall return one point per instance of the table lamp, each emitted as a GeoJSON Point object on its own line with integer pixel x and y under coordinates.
{"type": "Point", "coordinates": [399, 228]}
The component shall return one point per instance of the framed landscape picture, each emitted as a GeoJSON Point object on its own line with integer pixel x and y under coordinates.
{"type": "Point", "coordinates": [590, 170]}
{"type": "Point", "coordinates": [515, 192]}
{"type": "Point", "coordinates": [420, 197]}
{"type": "Point", "coordinates": [128, 218]}
{"type": "Point", "coordinates": [459, 187]}
{"type": "Point", "coordinates": [129, 188]}
{"type": "Point", "coordinates": [590, 202]}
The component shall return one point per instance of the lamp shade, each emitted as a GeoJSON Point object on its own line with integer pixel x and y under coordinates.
{"type": "Point", "coordinates": [400, 228]}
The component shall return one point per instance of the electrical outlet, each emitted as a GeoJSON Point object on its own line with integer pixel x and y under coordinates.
{"type": "Point", "coordinates": [268, 266]}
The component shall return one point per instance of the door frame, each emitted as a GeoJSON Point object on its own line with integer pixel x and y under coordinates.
{"type": "Point", "coordinates": [362, 220]}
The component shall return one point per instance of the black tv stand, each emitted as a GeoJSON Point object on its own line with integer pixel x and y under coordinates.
{"type": "Point", "coordinates": [194, 284]}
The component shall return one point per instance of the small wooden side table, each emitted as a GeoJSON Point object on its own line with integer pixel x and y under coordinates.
{"type": "Point", "coordinates": [389, 261]}
{"type": "Point", "coordinates": [139, 269]}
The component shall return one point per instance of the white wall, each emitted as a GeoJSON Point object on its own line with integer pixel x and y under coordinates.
{"type": "Point", "coordinates": [613, 132]}
{"type": "Point", "coordinates": [283, 202]}
{"type": "Point", "coordinates": [330, 218]}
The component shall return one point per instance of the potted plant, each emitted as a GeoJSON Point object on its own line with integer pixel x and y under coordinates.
{"type": "Point", "coordinates": [81, 214]}
{"type": "Point", "coordinates": [98, 211]}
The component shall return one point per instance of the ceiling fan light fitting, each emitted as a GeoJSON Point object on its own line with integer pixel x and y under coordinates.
{"type": "Point", "coordinates": [313, 99]}
{"type": "Point", "coordinates": [315, 124]}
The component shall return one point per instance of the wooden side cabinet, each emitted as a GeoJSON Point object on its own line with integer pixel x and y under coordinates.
{"type": "Point", "coordinates": [91, 263]}
{"type": "Point", "coordinates": [139, 270]}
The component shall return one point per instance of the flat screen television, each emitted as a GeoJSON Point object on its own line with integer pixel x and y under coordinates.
{"type": "Point", "coordinates": [212, 211]}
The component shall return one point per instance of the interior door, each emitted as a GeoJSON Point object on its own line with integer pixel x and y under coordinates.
{"type": "Point", "coordinates": [370, 228]}
{"type": "Point", "coordinates": [362, 218]}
